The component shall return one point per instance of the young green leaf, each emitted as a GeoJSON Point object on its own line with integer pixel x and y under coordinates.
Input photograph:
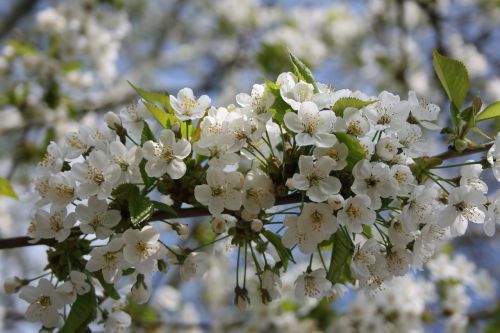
{"type": "Point", "coordinates": [82, 313]}
{"type": "Point", "coordinates": [349, 102]}
{"type": "Point", "coordinates": [491, 111]}
{"type": "Point", "coordinates": [342, 250]}
{"type": "Point", "coordinates": [303, 72]}
{"type": "Point", "coordinates": [164, 208]}
{"type": "Point", "coordinates": [453, 77]}
{"type": "Point", "coordinates": [356, 151]}
{"type": "Point", "coordinates": [141, 209]}
{"type": "Point", "coordinates": [6, 189]}
{"type": "Point", "coordinates": [147, 134]}
{"type": "Point", "coordinates": [279, 107]}
{"type": "Point", "coordinates": [284, 253]}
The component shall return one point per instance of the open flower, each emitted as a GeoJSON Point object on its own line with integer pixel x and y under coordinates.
{"type": "Point", "coordinates": [44, 302]}
{"type": "Point", "coordinates": [187, 107]}
{"type": "Point", "coordinates": [223, 190]}
{"type": "Point", "coordinates": [313, 284]}
{"type": "Point", "coordinates": [166, 156]}
{"type": "Point", "coordinates": [373, 180]}
{"type": "Point", "coordinates": [142, 248]}
{"type": "Point", "coordinates": [313, 127]}
{"type": "Point", "coordinates": [317, 220]}
{"type": "Point", "coordinates": [305, 241]}
{"type": "Point", "coordinates": [194, 266]}
{"type": "Point", "coordinates": [96, 175]}
{"type": "Point", "coordinates": [314, 177]}
{"type": "Point", "coordinates": [356, 212]}
{"type": "Point", "coordinates": [464, 205]}
{"type": "Point", "coordinates": [95, 218]}
{"type": "Point", "coordinates": [494, 157]}
{"type": "Point", "coordinates": [108, 259]}
{"type": "Point", "coordinates": [338, 153]}
{"type": "Point", "coordinates": [55, 224]}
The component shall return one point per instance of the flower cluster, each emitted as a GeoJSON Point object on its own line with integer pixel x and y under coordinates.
{"type": "Point", "coordinates": [350, 169]}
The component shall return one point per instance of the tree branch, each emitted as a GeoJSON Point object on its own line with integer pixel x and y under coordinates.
{"type": "Point", "coordinates": [452, 153]}
{"type": "Point", "coordinates": [15, 242]}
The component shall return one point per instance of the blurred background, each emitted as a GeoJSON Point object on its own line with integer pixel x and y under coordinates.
{"type": "Point", "coordinates": [64, 63]}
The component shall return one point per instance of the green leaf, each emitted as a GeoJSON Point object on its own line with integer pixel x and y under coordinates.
{"type": "Point", "coordinates": [147, 134]}
{"type": "Point", "coordinates": [22, 48]}
{"type": "Point", "coordinates": [82, 313]}
{"type": "Point", "coordinates": [284, 253]}
{"type": "Point", "coordinates": [273, 58]}
{"type": "Point", "coordinates": [71, 66]}
{"type": "Point", "coordinates": [349, 102]}
{"type": "Point", "coordinates": [342, 250]}
{"type": "Point", "coordinates": [164, 208]}
{"type": "Point", "coordinates": [303, 72]}
{"type": "Point", "coordinates": [453, 77]}
{"type": "Point", "coordinates": [356, 151]}
{"type": "Point", "coordinates": [279, 107]}
{"type": "Point", "coordinates": [6, 189]}
{"type": "Point", "coordinates": [491, 111]}
{"type": "Point", "coordinates": [109, 288]}
{"type": "Point", "coordinates": [159, 106]}
{"type": "Point", "coordinates": [141, 209]}
{"type": "Point", "coordinates": [165, 119]}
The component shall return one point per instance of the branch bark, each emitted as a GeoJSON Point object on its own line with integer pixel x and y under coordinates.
{"type": "Point", "coordinates": [15, 242]}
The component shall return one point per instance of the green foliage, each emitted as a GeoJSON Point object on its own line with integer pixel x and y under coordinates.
{"type": "Point", "coordinates": [455, 81]}
{"type": "Point", "coordinates": [453, 77]}
{"type": "Point", "coordinates": [349, 102]}
{"type": "Point", "coordinates": [82, 313]}
{"type": "Point", "coordinates": [491, 111]}
{"type": "Point", "coordinates": [67, 256]}
{"type": "Point", "coordinates": [109, 288]}
{"type": "Point", "coordinates": [21, 49]}
{"type": "Point", "coordinates": [284, 253]}
{"type": "Point", "coordinates": [342, 251]}
{"type": "Point", "coordinates": [164, 207]}
{"type": "Point", "coordinates": [273, 58]}
{"type": "Point", "coordinates": [303, 72]}
{"type": "Point", "coordinates": [356, 151]}
{"type": "Point", "coordinates": [159, 106]}
{"type": "Point", "coordinates": [6, 189]}
{"type": "Point", "coordinates": [140, 207]}
{"type": "Point", "coordinates": [279, 107]}
{"type": "Point", "coordinates": [71, 66]}
{"type": "Point", "coordinates": [147, 134]}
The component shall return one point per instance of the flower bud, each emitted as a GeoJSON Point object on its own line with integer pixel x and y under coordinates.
{"type": "Point", "coordinates": [162, 266]}
{"type": "Point", "coordinates": [140, 290]}
{"type": "Point", "coordinates": [12, 285]}
{"type": "Point", "coordinates": [113, 121]}
{"type": "Point", "coordinates": [256, 225]}
{"type": "Point", "coordinates": [218, 225]}
{"type": "Point", "coordinates": [336, 201]}
{"type": "Point", "coordinates": [180, 228]}
{"type": "Point", "coordinates": [241, 299]}
{"type": "Point", "coordinates": [176, 127]}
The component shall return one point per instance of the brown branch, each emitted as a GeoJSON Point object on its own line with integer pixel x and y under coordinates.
{"type": "Point", "coordinates": [15, 242]}
{"type": "Point", "coordinates": [452, 153]}
{"type": "Point", "coordinates": [10, 243]}
{"type": "Point", "coordinates": [19, 9]}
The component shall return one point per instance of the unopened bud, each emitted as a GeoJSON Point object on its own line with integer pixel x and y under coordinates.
{"type": "Point", "coordinates": [113, 121]}
{"type": "Point", "coordinates": [241, 299]}
{"type": "Point", "coordinates": [218, 225]}
{"type": "Point", "coordinates": [180, 228]}
{"type": "Point", "coordinates": [256, 225]}
{"type": "Point", "coordinates": [12, 285]}
{"type": "Point", "coordinates": [176, 127]}
{"type": "Point", "coordinates": [460, 145]}
{"type": "Point", "coordinates": [336, 201]}
{"type": "Point", "coordinates": [162, 266]}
